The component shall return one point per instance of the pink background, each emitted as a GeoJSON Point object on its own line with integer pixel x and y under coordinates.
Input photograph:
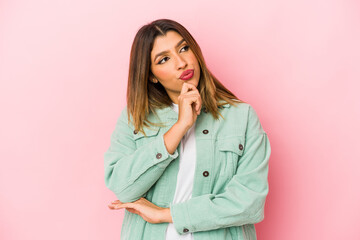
{"type": "Point", "coordinates": [63, 71]}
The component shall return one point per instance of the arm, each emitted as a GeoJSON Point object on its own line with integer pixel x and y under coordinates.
{"type": "Point", "coordinates": [243, 200]}
{"type": "Point", "coordinates": [131, 172]}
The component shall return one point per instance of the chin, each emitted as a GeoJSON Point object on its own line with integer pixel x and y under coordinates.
{"type": "Point", "coordinates": [194, 82]}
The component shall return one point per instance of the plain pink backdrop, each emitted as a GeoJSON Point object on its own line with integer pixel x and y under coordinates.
{"type": "Point", "coordinates": [63, 70]}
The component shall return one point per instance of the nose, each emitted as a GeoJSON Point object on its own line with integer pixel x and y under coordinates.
{"type": "Point", "coordinates": [180, 62]}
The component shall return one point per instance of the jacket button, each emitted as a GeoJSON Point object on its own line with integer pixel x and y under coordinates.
{"type": "Point", "coordinates": [185, 230]}
{"type": "Point", "coordinates": [205, 131]}
{"type": "Point", "coordinates": [135, 131]}
{"type": "Point", "coordinates": [241, 147]}
{"type": "Point", "coordinates": [205, 173]}
{"type": "Point", "coordinates": [158, 156]}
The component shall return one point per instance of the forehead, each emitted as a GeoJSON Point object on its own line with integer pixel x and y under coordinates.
{"type": "Point", "coordinates": [164, 43]}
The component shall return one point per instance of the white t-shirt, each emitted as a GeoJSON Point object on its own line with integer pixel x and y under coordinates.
{"type": "Point", "coordinates": [185, 177]}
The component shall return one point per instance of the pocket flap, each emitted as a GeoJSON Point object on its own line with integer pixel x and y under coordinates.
{"type": "Point", "coordinates": [149, 132]}
{"type": "Point", "coordinates": [234, 144]}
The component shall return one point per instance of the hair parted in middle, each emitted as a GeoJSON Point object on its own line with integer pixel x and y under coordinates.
{"type": "Point", "coordinates": [145, 96]}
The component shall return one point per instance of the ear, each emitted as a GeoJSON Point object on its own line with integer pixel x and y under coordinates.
{"type": "Point", "coordinates": [155, 80]}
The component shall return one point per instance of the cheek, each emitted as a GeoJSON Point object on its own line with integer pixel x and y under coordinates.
{"type": "Point", "coordinates": [194, 60]}
{"type": "Point", "coordinates": [162, 73]}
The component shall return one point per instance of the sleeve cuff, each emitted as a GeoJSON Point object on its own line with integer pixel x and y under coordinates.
{"type": "Point", "coordinates": [161, 154]}
{"type": "Point", "coordinates": [180, 218]}
{"type": "Point", "coordinates": [174, 155]}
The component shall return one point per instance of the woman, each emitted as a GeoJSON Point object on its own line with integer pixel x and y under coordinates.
{"type": "Point", "coordinates": [188, 159]}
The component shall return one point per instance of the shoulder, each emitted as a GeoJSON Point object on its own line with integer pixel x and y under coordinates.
{"type": "Point", "coordinates": [239, 110]}
{"type": "Point", "coordinates": [124, 115]}
{"type": "Point", "coordinates": [124, 120]}
{"type": "Point", "coordinates": [243, 116]}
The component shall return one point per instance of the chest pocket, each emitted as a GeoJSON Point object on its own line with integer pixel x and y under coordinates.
{"type": "Point", "coordinates": [140, 139]}
{"type": "Point", "coordinates": [230, 151]}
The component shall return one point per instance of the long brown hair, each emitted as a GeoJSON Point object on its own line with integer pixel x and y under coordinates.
{"type": "Point", "coordinates": [144, 96]}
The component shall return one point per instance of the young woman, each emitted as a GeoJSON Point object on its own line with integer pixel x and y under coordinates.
{"type": "Point", "coordinates": [188, 159]}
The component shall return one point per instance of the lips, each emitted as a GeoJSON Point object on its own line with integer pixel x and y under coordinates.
{"type": "Point", "coordinates": [187, 74]}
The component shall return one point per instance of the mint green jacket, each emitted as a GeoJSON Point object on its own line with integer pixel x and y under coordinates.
{"type": "Point", "coordinates": [230, 182]}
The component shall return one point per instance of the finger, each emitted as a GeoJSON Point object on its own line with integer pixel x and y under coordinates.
{"type": "Point", "coordinates": [194, 108]}
{"type": "Point", "coordinates": [187, 87]}
{"type": "Point", "coordinates": [195, 101]}
{"type": "Point", "coordinates": [197, 107]}
{"type": "Point", "coordinates": [190, 100]}
{"type": "Point", "coordinates": [184, 88]}
{"type": "Point", "coordinates": [199, 103]}
{"type": "Point", "coordinates": [191, 90]}
{"type": "Point", "coordinates": [112, 207]}
{"type": "Point", "coordinates": [118, 206]}
{"type": "Point", "coordinates": [191, 87]}
{"type": "Point", "coordinates": [191, 96]}
{"type": "Point", "coordinates": [132, 210]}
{"type": "Point", "coordinates": [192, 93]}
{"type": "Point", "coordinates": [116, 201]}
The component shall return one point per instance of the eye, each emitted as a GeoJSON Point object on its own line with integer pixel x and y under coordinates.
{"type": "Point", "coordinates": [161, 61]}
{"type": "Point", "coordinates": [186, 47]}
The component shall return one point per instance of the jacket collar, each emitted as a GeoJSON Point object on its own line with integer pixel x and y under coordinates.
{"type": "Point", "coordinates": [169, 113]}
{"type": "Point", "coordinates": [164, 115]}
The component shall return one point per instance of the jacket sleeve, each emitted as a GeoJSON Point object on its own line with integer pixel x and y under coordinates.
{"type": "Point", "coordinates": [129, 171]}
{"type": "Point", "coordinates": [243, 200]}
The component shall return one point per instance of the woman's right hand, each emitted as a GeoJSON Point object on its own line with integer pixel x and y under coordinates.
{"type": "Point", "coordinates": [189, 102]}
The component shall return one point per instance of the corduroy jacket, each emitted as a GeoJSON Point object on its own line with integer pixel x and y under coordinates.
{"type": "Point", "coordinates": [230, 182]}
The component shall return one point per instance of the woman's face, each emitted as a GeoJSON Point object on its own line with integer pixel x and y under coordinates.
{"type": "Point", "coordinates": [170, 57]}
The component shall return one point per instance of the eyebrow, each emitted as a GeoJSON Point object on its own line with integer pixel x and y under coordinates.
{"type": "Point", "coordinates": [163, 52]}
